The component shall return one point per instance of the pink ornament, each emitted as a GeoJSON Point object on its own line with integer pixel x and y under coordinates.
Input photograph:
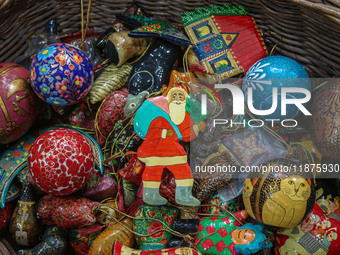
{"type": "Point", "coordinates": [60, 162]}
{"type": "Point", "coordinates": [19, 107]}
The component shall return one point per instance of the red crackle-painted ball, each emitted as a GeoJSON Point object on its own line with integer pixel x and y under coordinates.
{"type": "Point", "coordinates": [60, 162]}
{"type": "Point", "coordinates": [19, 107]}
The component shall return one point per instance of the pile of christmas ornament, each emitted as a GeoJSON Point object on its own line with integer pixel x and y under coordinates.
{"type": "Point", "coordinates": [112, 145]}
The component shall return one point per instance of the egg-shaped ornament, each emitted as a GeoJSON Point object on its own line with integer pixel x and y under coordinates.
{"type": "Point", "coordinates": [61, 74]}
{"type": "Point", "coordinates": [60, 162]}
{"type": "Point", "coordinates": [19, 106]}
{"type": "Point", "coordinates": [273, 80]}
{"type": "Point", "coordinates": [326, 119]}
{"type": "Point", "coordinates": [279, 198]}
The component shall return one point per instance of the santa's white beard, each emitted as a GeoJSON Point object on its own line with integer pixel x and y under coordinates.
{"type": "Point", "coordinates": [177, 111]}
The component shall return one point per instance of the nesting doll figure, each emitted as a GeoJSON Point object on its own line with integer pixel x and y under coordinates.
{"type": "Point", "coordinates": [162, 122]}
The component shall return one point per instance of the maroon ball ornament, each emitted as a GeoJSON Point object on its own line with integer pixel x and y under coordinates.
{"type": "Point", "coordinates": [60, 162]}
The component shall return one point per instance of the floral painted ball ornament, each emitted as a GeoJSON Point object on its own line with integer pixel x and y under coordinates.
{"type": "Point", "coordinates": [61, 74]}
{"type": "Point", "coordinates": [60, 162]}
{"type": "Point", "coordinates": [275, 72]}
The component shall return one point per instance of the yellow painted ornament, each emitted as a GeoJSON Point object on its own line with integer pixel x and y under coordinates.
{"type": "Point", "coordinates": [278, 198]}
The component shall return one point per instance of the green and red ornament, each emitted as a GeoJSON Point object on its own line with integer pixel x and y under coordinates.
{"type": "Point", "coordinates": [224, 235]}
{"type": "Point", "coordinates": [60, 162]}
{"type": "Point", "coordinates": [152, 222]}
{"type": "Point", "coordinates": [61, 74]}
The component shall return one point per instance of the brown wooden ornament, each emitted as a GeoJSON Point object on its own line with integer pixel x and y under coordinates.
{"type": "Point", "coordinates": [277, 198]}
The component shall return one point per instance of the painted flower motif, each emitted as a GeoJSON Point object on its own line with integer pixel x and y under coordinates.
{"type": "Point", "coordinates": [43, 69]}
{"type": "Point", "coordinates": [45, 89]}
{"type": "Point", "coordinates": [60, 58]}
{"type": "Point", "coordinates": [61, 86]}
{"type": "Point", "coordinates": [33, 74]}
{"type": "Point", "coordinates": [67, 72]}
{"type": "Point", "coordinates": [84, 93]}
{"type": "Point", "coordinates": [158, 26]}
{"type": "Point", "coordinates": [56, 101]}
{"type": "Point", "coordinates": [71, 66]}
{"type": "Point", "coordinates": [78, 59]}
{"type": "Point", "coordinates": [78, 81]}
{"type": "Point", "coordinates": [45, 53]}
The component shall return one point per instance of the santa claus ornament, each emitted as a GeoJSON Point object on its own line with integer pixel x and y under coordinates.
{"type": "Point", "coordinates": [60, 162]}
{"type": "Point", "coordinates": [162, 122]}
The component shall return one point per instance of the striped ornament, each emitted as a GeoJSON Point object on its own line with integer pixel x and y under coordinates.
{"type": "Point", "coordinates": [111, 79]}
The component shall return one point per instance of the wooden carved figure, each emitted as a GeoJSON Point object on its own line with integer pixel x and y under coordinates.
{"type": "Point", "coordinates": [162, 122]}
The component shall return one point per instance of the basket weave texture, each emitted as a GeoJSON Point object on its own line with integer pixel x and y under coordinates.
{"type": "Point", "coordinates": [305, 30]}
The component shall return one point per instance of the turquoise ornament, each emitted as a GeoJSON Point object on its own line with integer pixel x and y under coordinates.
{"type": "Point", "coordinates": [12, 161]}
{"type": "Point", "coordinates": [61, 74]}
{"type": "Point", "coordinates": [275, 72]}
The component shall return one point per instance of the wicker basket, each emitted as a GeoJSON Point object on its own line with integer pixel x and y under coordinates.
{"type": "Point", "coordinates": [305, 30]}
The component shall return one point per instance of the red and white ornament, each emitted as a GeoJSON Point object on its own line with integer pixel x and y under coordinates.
{"type": "Point", "coordinates": [60, 162]}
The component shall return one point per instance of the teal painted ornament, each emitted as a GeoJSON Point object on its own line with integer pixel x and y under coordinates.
{"type": "Point", "coordinates": [12, 161]}
{"type": "Point", "coordinates": [268, 74]}
{"type": "Point", "coordinates": [61, 74]}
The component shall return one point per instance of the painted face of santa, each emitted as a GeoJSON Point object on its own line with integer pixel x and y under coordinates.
{"type": "Point", "coordinates": [177, 101]}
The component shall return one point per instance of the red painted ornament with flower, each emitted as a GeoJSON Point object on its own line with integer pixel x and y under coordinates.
{"type": "Point", "coordinates": [61, 74]}
{"type": "Point", "coordinates": [60, 162]}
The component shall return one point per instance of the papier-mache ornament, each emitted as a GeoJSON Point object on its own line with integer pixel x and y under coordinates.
{"type": "Point", "coordinates": [66, 212]}
{"type": "Point", "coordinates": [120, 249]}
{"type": "Point", "coordinates": [162, 122]}
{"type": "Point", "coordinates": [117, 26]}
{"type": "Point", "coordinates": [111, 79]}
{"type": "Point", "coordinates": [120, 47]}
{"type": "Point", "coordinates": [326, 120]}
{"type": "Point", "coordinates": [227, 42]}
{"type": "Point", "coordinates": [218, 206]}
{"type": "Point", "coordinates": [118, 231]}
{"type": "Point", "coordinates": [275, 72]}
{"type": "Point", "coordinates": [61, 74]}
{"type": "Point", "coordinates": [60, 161]}
{"type": "Point", "coordinates": [81, 117]}
{"type": "Point", "coordinates": [19, 107]}
{"type": "Point", "coordinates": [100, 187]}
{"type": "Point", "coordinates": [109, 113]}
{"type": "Point", "coordinates": [54, 242]}
{"type": "Point", "coordinates": [12, 161]}
{"type": "Point", "coordinates": [317, 234]}
{"type": "Point", "coordinates": [80, 239]}
{"type": "Point", "coordinates": [152, 223]}
{"type": "Point", "coordinates": [5, 217]}
{"type": "Point", "coordinates": [24, 228]}
{"type": "Point", "coordinates": [153, 69]}
{"type": "Point", "coordinates": [150, 27]}
{"type": "Point", "coordinates": [225, 235]}
{"type": "Point", "coordinates": [279, 198]}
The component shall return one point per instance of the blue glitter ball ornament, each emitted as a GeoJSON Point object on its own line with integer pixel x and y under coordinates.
{"type": "Point", "coordinates": [275, 72]}
{"type": "Point", "coordinates": [61, 74]}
